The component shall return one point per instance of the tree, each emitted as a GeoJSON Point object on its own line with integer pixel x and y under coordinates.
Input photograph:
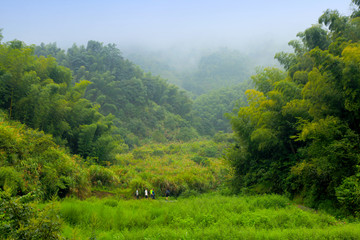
{"type": "Point", "coordinates": [38, 92]}
{"type": "Point", "coordinates": [300, 134]}
{"type": "Point", "coordinates": [314, 37]}
{"type": "Point", "coordinates": [120, 88]}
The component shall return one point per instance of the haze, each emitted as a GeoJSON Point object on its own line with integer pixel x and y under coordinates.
{"type": "Point", "coordinates": [160, 24]}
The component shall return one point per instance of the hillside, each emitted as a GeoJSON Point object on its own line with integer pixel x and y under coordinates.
{"type": "Point", "coordinates": [31, 162]}
{"type": "Point", "coordinates": [148, 107]}
{"type": "Point", "coordinates": [210, 110]}
{"type": "Point", "coordinates": [144, 106]}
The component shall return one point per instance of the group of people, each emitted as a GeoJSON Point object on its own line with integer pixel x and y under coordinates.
{"type": "Point", "coordinates": [152, 193]}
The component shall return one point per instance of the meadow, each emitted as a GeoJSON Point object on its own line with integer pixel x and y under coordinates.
{"type": "Point", "coordinates": [208, 216]}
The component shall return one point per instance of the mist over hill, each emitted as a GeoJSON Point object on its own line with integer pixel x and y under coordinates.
{"type": "Point", "coordinates": [200, 70]}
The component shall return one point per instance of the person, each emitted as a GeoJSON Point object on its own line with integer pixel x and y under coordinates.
{"type": "Point", "coordinates": [167, 194]}
{"type": "Point", "coordinates": [153, 194]}
{"type": "Point", "coordinates": [146, 193]}
{"type": "Point", "coordinates": [137, 193]}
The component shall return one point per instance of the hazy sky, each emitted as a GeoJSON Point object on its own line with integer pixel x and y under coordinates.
{"type": "Point", "coordinates": [161, 23]}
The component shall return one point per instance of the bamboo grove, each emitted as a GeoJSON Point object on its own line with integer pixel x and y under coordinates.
{"type": "Point", "coordinates": [299, 134]}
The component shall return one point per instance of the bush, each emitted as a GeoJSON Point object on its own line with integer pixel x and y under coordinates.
{"type": "Point", "coordinates": [173, 149]}
{"type": "Point", "coordinates": [158, 136]}
{"type": "Point", "coordinates": [209, 151]}
{"type": "Point", "coordinates": [201, 160]}
{"type": "Point", "coordinates": [21, 221]}
{"type": "Point", "coordinates": [140, 154]}
{"type": "Point", "coordinates": [162, 183]}
{"type": "Point", "coordinates": [158, 153]}
{"type": "Point", "coordinates": [348, 194]}
{"type": "Point", "coordinates": [187, 134]}
{"type": "Point", "coordinates": [223, 137]}
{"type": "Point", "coordinates": [140, 184]}
{"type": "Point", "coordinates": [102, 176]}
{"type": "Point", "coordinates": [11, 181]}
{"type": "Point", "coordinates": [35, 163]}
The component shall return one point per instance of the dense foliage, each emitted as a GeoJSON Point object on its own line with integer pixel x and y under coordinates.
{"type": "Point", "coordinates": [71, 124]}
{"type": "Point", "coordinates": [38, 92]}
{"type": "Point", "coordinates": [187, 168]}
{"type": "Point", "coordinates": [34, 169]}
{"type": "Point", "coordinates": [22, 220]}
{"type": "Point", "coordinates": [210, 109]}
{"type": "Point", "coordinates": [300, 133]}
{"type": "Point", "coordinates": [144, 106]}
{"type": "Point", "coordinates": [217, 82]}
{"type": "Point", "coordinates": [31, 163]}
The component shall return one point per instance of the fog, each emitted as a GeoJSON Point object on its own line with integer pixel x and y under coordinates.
{"type": "Point", "coordinates": [180, 28]}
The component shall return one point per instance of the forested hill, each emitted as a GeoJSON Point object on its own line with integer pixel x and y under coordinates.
{"type": "Point", "coordinates": [98, 104]}
{"type": "Point", "coordinates": [94, 102]}
{"type": "Point", "coordinates": [300, 133]}
{"type": "Point", "coordinates": [210, 110]}
{"type": "Point", "coordinates": [148, 107]}
{"type": "Point", "coordinates": [144, 106]}
{"type": "Point", "coordinates": [40, 93]}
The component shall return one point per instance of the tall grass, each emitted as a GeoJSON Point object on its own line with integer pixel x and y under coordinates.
{"type": "Point", "coordinates": [203, 217]}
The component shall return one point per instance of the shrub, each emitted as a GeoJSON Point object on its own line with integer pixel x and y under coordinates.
{"type": "Point", "coordinates": [223, 137]}
{"type": "Point", "coordinates": [186, 134]}
{"type": "Point", "coordinates": [174, 148]}
{"type": "Point", "coordinates": [209, 151]}
{"type": "Point", "coordinates": [140, 154]}
{"type": "Point", "coordinates": [140, 184]}
{"type": "Point", "coordinates": [158, 153]}
{"type": "Point", "coordinates": [21, 221]}
{"type": "Point", "coordinates": [158, 136]}
{"type": "Point", "coordinates": [102, 176]}
{"type": "Point", "coordinates": [11, 181]}
{"type": "Point", "coordinates": [35, 163]}
{"type": "Point", "coordinates": [201, 160]}
{"type": "Point", "coordinates": [348, 194]}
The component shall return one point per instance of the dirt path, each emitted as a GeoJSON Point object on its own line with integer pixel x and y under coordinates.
{"type": "Point", "coordinates": [100, 194]}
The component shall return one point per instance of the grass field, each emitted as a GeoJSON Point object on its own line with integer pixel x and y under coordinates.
{"type": "Point", "coordinates": [208, 216]}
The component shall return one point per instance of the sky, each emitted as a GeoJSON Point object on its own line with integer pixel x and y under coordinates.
{"type": "Point", "coordinates": [162, 23]}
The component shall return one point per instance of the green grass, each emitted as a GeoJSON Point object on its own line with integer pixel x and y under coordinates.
{"type": "Point", "coordinates": [204, 217]}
